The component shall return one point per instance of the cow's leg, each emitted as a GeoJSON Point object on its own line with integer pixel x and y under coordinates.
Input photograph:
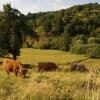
{"type": "Point", "coordinates": [20, 74]}
{"type": "Point", "coordinates": [6, 70]}
{"type": "Point", "coordinates": [24, 75]}
{"type": "Point", "coordinates": [16, 73]}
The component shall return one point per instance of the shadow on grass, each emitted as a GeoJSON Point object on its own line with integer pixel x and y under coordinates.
{"type": "Point", "coordinates": [1, 62]}
{"type": "Point", "coordinates": [27, 77]}
{"type": "Point", "coordinates": [78, 61]}
{"type": "Point", "coordinates": [28, 66]}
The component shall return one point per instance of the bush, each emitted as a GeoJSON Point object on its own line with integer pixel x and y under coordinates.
{"type": "Point", "coordinates": [60, 43]}
{"type": "Point", "coordinates": [36, 46]}
{"type": "Point", "coordinates": [3, 53]}
{"type": "Point", "coordinates": [54, 44]}
{"type": "Point", "coordinates": [80, 41]}
{"type": "Point", "coordinates": [92, 40]}
{"type": "Point", "coordinates": [94, 52]}
{"type": "Point", "coordinates": [64, 47]}
{"type": "Point", "coordinates": [79, 49]}
{"type": "Point", "coordinates": [42, 46]}
{"type": "Point", "coordinates": [27, 45]}
{"type": "Point", "coordinates": [45, 46]}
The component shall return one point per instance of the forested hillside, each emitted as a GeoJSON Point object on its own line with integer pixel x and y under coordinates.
{"type": "Point", "coordinates": [67, 28]}
{"type": "Point", "coordinates": [76, 29]}
{"type": "Point", "coordinates": [80, 19]}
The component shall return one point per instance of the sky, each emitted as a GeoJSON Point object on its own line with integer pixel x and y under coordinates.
{"type": "Point", "coordinates": [35, 6]}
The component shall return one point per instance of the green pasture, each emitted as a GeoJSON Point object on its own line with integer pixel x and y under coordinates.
{"type": "Point", "coordinates": [58, 85]}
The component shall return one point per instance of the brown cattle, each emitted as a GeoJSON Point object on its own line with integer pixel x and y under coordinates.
{"type": "Point", "coordinates": [15, 66]}
{"type": "Point", "coordinates": [78, 67]}
{"type": "Point", "coordinates": [46, 66]}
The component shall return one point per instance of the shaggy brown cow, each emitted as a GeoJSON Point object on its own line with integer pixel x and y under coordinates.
{"type": "Point", "coordinates": [78, 67]}
{"type": "Point", "coordinates": [46, 66]}
{"type": "Point", "coordinates": [15, 66]}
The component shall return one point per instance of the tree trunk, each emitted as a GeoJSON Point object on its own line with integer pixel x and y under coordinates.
{"type": "Point", "coordinates": [14, 57]}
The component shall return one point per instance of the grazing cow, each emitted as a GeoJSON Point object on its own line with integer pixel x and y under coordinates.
{"type": "Point", "coordinates": [78, 67]}
{"type": "Point", "coordinates": [46, 66]}
{"type": "Point", "coordinates": [15, 66]}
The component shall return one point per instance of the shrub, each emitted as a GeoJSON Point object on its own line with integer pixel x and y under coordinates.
{"type": "Point", "coordinates": [45, 46]}
{"type": "Point", "coordinates": [3, 53]}
{"type": "Point", "coordinates": [80, 41]}
{"type": "Point", "coordinates": [92, 40]}
{"type": "Point", "coordinates": [27, 45]}
{"type": "Point", "coordinates": [60, 43]}
{"type": "Point", "coordinates": [64, 47]}
{"type": "Point", "coordinates": [79, 49]}
{"type": "Point", "coordinates": [64, 42]}
{"type": "Point", "coordinates": [54, 43]}
{"type": "Point", "coordinates": [36, 46]}
{"type": "Point", "coordinates": [42, 46]}
{"type": "Point", "coordinates": [94, 52]}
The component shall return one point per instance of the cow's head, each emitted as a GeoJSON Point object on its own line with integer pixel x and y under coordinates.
{"type": "Point", "coordinates": [22, 71]}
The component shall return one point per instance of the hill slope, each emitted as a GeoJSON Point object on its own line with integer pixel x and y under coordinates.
{"type": "Point", "coordinates": [67, 27]}
{"type": "Point", "coordinates": [83, 19]}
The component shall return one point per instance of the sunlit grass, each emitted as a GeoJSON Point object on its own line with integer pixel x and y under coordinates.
{"type": "Point", "coordinates": [60, 57]}
{"type": "Point", "coordinates": [57, 85]}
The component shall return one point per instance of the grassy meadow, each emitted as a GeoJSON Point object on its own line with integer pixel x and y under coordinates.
{"type": "Point", "coordinates": [58, 85]}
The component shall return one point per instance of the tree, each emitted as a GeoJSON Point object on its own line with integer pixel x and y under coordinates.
{"type": "Point", "coordinates": [47, 25]}
{"type": "Point", "coordinates": [12, 27]}
{"type": "Point", "coordinates": [57, 26]}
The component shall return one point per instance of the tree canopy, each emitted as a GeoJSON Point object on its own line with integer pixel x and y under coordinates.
{"type": "Point", "coordinates": [13, 29]}
{"type": "Point", "coordinates": [80, 19]}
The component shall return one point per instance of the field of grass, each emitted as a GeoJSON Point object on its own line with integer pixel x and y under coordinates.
{"type": "Point", "coordinates": [59, 85]}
